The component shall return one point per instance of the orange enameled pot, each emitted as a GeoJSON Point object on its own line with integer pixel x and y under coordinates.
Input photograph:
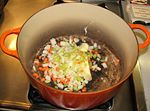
{"type": "Point", "coordinates": [77, 18]}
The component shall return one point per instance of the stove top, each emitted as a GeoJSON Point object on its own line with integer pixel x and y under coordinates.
{"type": "Point", "coordinates": [16, 92]}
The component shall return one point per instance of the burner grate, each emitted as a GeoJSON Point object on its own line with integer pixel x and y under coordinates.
{"type": "Point", "coordinates": [38, 103]}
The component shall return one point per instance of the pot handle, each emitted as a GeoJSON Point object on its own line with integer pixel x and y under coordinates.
{"type": "Point", "coordinates": [146, 31]}
{"type": "Point", "coordinates": [2, 41]}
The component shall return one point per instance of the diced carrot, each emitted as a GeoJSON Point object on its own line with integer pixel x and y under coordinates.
{"type": "Point", "coordinates": [36, 75]}
{"type": "Point", "coordinates": [50, 50]}
{"type": "Point", "coordinates": [42, 79]}
{"type": "Point", "coordinates": [84, 89]}
{"type": "Point", "coordinates": [92, 51]}
{"type": "Point", "coordinates": [40, 68]}
{"type": "Point", "coordinates": [43, 68]}
{"type": "Point", "coordinates": [65, 81]}
{"type": "Point", "coordinates": [57, 69]}
{"type": "Point", "coordinates": [54, 79]}
{"type": "Point", "coordinates": [49, 73]}
{"type": "Point", "coordinates": [92, 60]}
{"type": "Point", "coordinates": [38, 63]}
{"type": "Point", "coordinates": [40, 57]}
{"type": "Point", "coordinates": [96, 52]}
{"type": "Point", "coordinates": [91, 56]}
{"type": "Point", "coordinates": [46, 60]}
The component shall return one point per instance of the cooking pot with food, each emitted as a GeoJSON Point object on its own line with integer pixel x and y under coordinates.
{"type": "Point", "coordinates": [96, 23]}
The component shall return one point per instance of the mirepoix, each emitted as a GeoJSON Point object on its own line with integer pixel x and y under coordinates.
{"type": "Point", "coordinates": [76, 63]}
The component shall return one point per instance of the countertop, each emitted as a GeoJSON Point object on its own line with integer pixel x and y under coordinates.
{"type": "Point", "coordinates": [11, 71]}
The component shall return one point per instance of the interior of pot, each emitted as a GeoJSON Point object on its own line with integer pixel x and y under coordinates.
{"type": "Point", "coordinates": [78, 18]}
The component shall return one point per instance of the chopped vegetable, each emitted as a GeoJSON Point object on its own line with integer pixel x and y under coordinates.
{"type": "Point", "coordinates": [104, 65]}
{"type": "Point", "coordinates": [67, 63]}
{"type": "Point", "coordinates": [36, 75]}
